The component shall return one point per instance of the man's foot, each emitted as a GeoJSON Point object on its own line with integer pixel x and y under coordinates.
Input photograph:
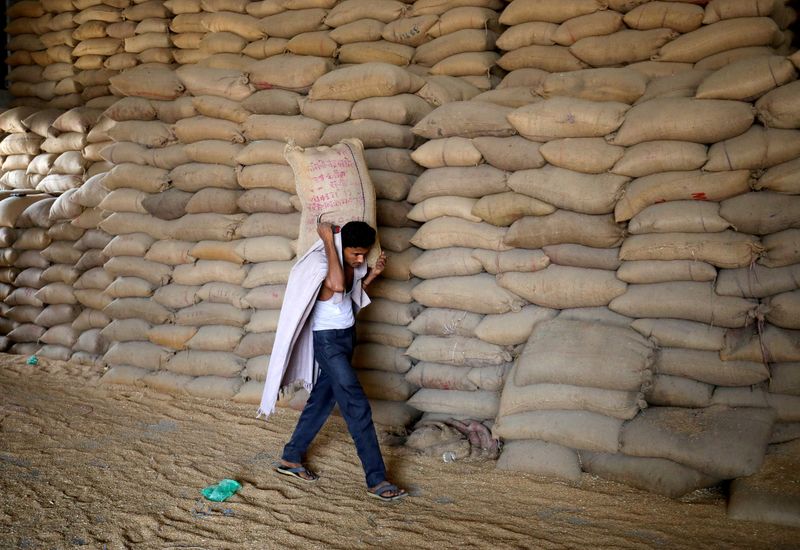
{"type": "Point", "coordinates": [386, 491]}
{"type": "Point", "coordinates": [295, 469]}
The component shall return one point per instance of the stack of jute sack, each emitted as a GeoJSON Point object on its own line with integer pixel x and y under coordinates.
{"type": "Point", "coordinates": [567, 36]}
{"type": "Point", "coordinates": [24, 216]}
{"type": "Point", "coordinates": [19, 147]}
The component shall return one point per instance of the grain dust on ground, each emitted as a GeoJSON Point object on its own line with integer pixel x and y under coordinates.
{"type": "Point", "coordinates": [99, 466]}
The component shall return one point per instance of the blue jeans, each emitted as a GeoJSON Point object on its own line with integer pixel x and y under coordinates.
{"type": "Point", "coordinates": [337, 384]}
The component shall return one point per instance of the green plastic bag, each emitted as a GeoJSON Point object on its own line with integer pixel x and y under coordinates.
{"type": "Point", "coordinates": [222, 491]}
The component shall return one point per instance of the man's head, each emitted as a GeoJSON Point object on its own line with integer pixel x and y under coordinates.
{"type": "Point", "coordinates": [357, 239]}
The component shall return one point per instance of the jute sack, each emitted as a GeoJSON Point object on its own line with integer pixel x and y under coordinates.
{"type": "Point", "coordinates": [198, 128]}
{"type": "Point", "coordinates": [399, 291]}
{"type": "Point", "coordinates": [581, 352]}
{"type": "Point", "coordinates": [152, 81]}
{"type": "Point", "coordinates": [129, 266]}
{"type": "Point", "coordinates": [353, 10]}
{"type": "Point", "coordinates": [679, 17]}
{"type": "Point", "coordinates": [664, 271]}
{"type": "Point", "coordinates": [512, 260]}
{"type": "Point", "coordinates": [167, 205]}
{"type": "Point", "coordinates": [351, 198]}
{"type": "Point", "coordinates": [266, 200]}
{"type": "Point", "coordinates": [173, 337]}
{"type": "Point", "coordinates": [503, 209]}
{"type": "Point", "coordinates": [128, 330]}
{"type": "Point", "coordinates": [96, 278]}
{"type": "Point", "coordinates": [318, 43]}
{"type": "Point", "coordinates": [273, 224]}
{"type": "Point", "coordinates": [435, 207]}
{"type": "Point", "coordinates": [447, 231]}
{"type": "Point", "coordinates": [214, 151]}
{"type": "Point", "coordinates": [293, 22]}
{"type": "Point", "coordinates": [288, 72]}
{"type": "Point", "coordinates": [198, 227]}
{"type": "Point", "coordinates": [707, 440]}
{"type": "Point", "coordinates": [625, 46]}
{"type": "Point", "coordinates": [542, 459]}
{"type": "Point", "coordinates": [599, 23]}
{"type": "Point", "coordinates": [761, 213]}
{"type": "Point", "coordinates": [684, 119]}
{"type": "Point", "coordinates": [368, 30]}
{"type": "Point", "coordinates": [372, 133]}
{"type": "Point", "coordinates": [124, 375]}
{"type": "Point", "coordinates": [212, 314]}
{"type": "Point", "coordinates": [619, 404]}
{"type": "Point", "coordinates": [240, 24]}
{"type": "Point", "coordinates": [552, 59]}
{"type": "Point", "coordinates": [392, 159]}
{"type": "Point", "coordinates": [216, 251]}
{"type": "Point", "coordinates": [781, 178]}
{"type": "Point", "coordinates": [176, 296]}
{"type": "Point", "coordinates": [474, 182]}
{"type": "Point", "coordinates": [261, 152]}
{"type": "Point", "coordinates": [726, 249]}
{"type": "Point", "coordinates": [585, 193]}
{"type": "Point", "coordinates": [437, 7]}
{"type": "Point", "coordinates": [305, 131]}
{"type": "Point", "coordinates": [758, 148]}
{"type": "Point", "coordinates": [216, 338]}
{"type": "Point", "coordinates": [506, 97]}
{"type": "Point", "coordinates": [562, 227]}
{"type": "Point", "coordinates": [204, 271]}
{"type": "Point", "coordinates": [147, 133]}
{"type": "Point", "coordinates": [230, 84]}
{"type": "Point", "coordinates": [440, 89]}
{"type": "Point", "coordinates": [138, 354]}
{"type": "Point", "coordinates": [472, 404]}
{"type": "Point", "coordinates": [219, 107]}
{"type": "Point", "coordinates": [380, 357]}
{"type": "Point", "coordinates": [454, 43]}
{"type": "Point", "coordinates": [384, 333]}
{"type": "Point", "coordinates": [205, 363]}
{"type": "Point", "coordinates": [747, 79]}
{"type": "Point", "coordinates": [165, 382]}
{"type": "Point", "coordinates": [717, 10]}
{"type": "Point", "coordinates": [564, 287]}
{"type": "Point", "coordinates": [587, 155]}
{"type": "Point", "coordinates": [680, 217]}
{"type": "Point", "coordinates": [212, 199]}
{"type": "Point", "coordinates": [255, 344]}
{"type": "Point", "coordinates": [548, 10]}
{"type": "Point", "coordinates": [476, 293]}
{"type": "Point", "coordinates": [706, 366]}
{"type": "Point", "coordinates": [56, 352]}
{"type": "Point", "coordinates": [692, 301]}
{"type": "Point", "coordinates": [784, 379]}
{"type": "Point", "coordinates": [527, 34]}
{"type": "Point", "coordinates": [214, 387]}
{"type": "Point", "coordinates": [656, 475]}
{"type": "Point", "coordinates": [674, 186]}
{"type": "Point", "coordinates": [780, 108]}
{"type": "Point", "coordinates": [277, 176]}
{"type": "Point", "coordinates": [445, 322]}
{"type": "Point", "coordinates": [509, 329]}
{"type": "Point", "coordinates": [21, 144]}
{"type": "Point", "coordinates": [147, 179]}
{"type": "Point", "coordinates": [719, 37]}
{"type": "Point", "coordinates": [681, 334]}
{"type": "Point", "coordinates": [446, 262]}
{"type": "Point", "coordinates": [762, 497]}
{"type": "Point", "coordinates": [196, 176]}
{"type": "Point", "coordinates": [576, 255]}
{"type": "Point", "coordinates": [363, 81]}
{"type": "Point", "coordinates": [141, 308]}
{"type": "Point", "coordinates": [329, 111]}
{"type": "Point", "coordinates": [391, 185]}
{"type": "Point", "coordinates": [448, 377]}
{"type": "Point", "coordinates": [757, 281]}
{"type": "Point", "coordinates": [547, 119]}
{"type": "Point", "coordinates": [399, 109]}
{"type": "Point", "coordinates": [268, 273]}
{"type": "Point", "coordinates": [385, 385]}
{"type": "Point", "coordinates": [574, 429]}
{"type": "Point", "coordinates": [784, 309]}
{"type": "Point", "coordinates": [465, 119]}
{"type": "Point", "coordinates": [224, 293]}
{"type": "Point", "coordinates": [387, 311]}
{"type": "Point", "coordinates": [411, 31]}
{"type": "Point", "coordinates": [379, 51]}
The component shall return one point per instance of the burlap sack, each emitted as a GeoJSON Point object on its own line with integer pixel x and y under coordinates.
{"type": "Point", "coordinates": [311, 163]}
{"type": "Point", "coordinates": [476, 293]}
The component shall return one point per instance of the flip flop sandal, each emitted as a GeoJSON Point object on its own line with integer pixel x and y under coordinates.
{"type": "Point", "coordinates": [296, 471]}
{"type": "Point", "coordinates": [381, 491]}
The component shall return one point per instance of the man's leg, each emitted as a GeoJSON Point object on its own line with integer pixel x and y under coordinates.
{"type": "Point", "coordinates": [316, 411]}
{"type": "Point", "coordinates": [333, 352]}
